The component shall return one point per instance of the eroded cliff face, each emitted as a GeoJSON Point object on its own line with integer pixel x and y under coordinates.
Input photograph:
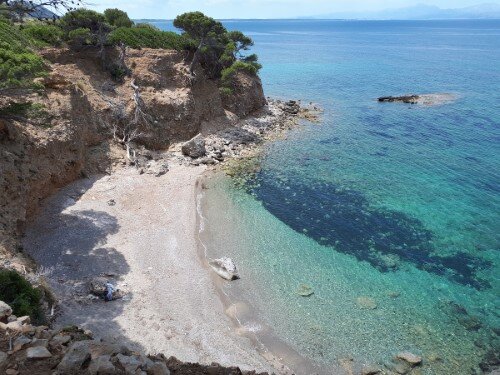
{"type": "Point", "coordinates": [66, 132]}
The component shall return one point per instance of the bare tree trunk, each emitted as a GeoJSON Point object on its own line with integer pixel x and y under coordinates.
{"type": "Point", "coordinates": [195, 57]}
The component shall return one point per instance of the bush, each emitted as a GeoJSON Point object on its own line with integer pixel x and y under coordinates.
{"type": "Point", "coordinates": [137, 37]}
{"type": "Point", "coordinates": [229, 73]}
{"type": "Point", "coordinates": [20, 295]}
{"type": "Point", "coordinates": [18, 64]}
{"type": "Point", "coordinates": [43, 34]}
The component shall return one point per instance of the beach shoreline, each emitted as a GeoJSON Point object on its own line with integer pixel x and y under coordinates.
{"type": "Point", "coordinates": [139, 231]}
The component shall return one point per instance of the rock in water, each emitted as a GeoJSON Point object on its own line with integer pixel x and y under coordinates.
{"type": "Point", "coordinates": [411, 358]}
{"type": "Point", "coordinates": [366, 303]}
{"type": "Point", "coordinates": [225, 268]}
{"type": "Point", "coordinates": [409, 99]}
{"type": "Point", "coordinates": [305, 290]}
{"type": "Point", "coordinates": [195, 147]}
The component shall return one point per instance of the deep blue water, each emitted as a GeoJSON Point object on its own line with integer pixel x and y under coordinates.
{"type": "Point", "coordinates": [379, 199]}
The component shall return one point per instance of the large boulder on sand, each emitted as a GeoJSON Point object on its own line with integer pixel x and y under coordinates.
{"type": "Point", "coordinates": [225, 268]}
{"type": "Point", "coordinates": [194, 148]}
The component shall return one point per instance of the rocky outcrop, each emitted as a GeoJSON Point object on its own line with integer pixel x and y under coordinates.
{"type": "Point", "coordinates": [66, 132]}
{"type": "Point", "coordinates": [409, 99]}
{"type": "Point", "coordinates": [69, 351]}
{"type": "Point", "coordinates": [421, 99]}
{"type": "Point", "coordinates": [247, 95]}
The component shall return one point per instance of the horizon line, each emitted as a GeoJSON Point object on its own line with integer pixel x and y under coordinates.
{"type": "Point", "coordinates": [330, 19]}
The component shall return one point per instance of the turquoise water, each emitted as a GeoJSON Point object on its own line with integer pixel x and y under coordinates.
{"type": "Point", "coordinates": [389, 212]}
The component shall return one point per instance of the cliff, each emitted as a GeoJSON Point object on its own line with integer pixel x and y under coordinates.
{"type": "Point", "coordinates": [63, 131]}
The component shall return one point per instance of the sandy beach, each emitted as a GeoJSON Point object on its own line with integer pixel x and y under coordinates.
{"type": "Point", "coordinates": [138, 231]}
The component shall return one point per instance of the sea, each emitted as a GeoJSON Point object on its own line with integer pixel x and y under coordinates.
{"type": "Point", "coordinates": [375, 231]}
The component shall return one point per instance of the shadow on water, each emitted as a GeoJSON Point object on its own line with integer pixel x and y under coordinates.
{"type": "Point", "coordinates": [72, 245]}
{"type": "Point", "coordinates": [345, 220]}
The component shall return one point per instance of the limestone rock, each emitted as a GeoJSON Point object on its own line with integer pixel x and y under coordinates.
{"type": "Point", "coordinates": [411, 358]}
{"type": "Point", "coordinates": [130, 364]}
{"type": "Point", "coordinates": [5, 310]}
{"type": "Point", "coordinates": [158, 368]}
{"type": "Point", "coordinates": [20, 342]}
{"type": "Point", "coordinates": [76, 356]}
{"type": "Point", "coordinates": [194, 148]}
{"type": "Point", "coordinates": [40, 342]}
{"type": "Point", "coordinates": [24, 320]}
{"type": "Point", "coordinates": [38, 352]}
{"type": "Point", "coordinates": [60, 340]}
{"type": "Point", "coordinates": [225, 268]}
{"type": "Point", "coordinates": [102, 366]}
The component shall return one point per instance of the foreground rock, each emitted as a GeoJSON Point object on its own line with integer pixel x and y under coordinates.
{"type": "Point", "coordinates": [71, 351]}
{"type": "Point", "coordinates": [225, 268]}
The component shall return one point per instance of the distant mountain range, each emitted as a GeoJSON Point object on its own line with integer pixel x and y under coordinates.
{"type": "Point", "coordinates": [422, 12]}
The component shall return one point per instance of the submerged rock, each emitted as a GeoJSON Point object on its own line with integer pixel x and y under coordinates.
{"type": "Point", "coordinates": [194, 148]}
{"type": "Point", "coordinates": [305, 290]}
{"type": "Point", "coordinates": [225, 268]}
{"type": "Point", "coordinates": [410, 358]}
{"type": "Point", "coordinates": [366, 303]}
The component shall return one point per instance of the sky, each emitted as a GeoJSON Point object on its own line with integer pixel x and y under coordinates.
{"type": "Point", "coordinates": [224, 9]}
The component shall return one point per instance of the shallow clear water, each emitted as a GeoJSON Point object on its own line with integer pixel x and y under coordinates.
{"type": "Point", "coordinates": [390, 206]}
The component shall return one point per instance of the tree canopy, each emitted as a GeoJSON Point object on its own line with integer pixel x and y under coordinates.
{"type": "Point", "coordinates": [218, 49]}
{"type": "Point", "coordinates": [118, 18]}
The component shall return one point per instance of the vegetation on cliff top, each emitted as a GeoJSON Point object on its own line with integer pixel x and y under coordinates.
{"type": "Point", "coordinates": [220, 52]}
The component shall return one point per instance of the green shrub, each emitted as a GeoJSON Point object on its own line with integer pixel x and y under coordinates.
{"type": "Point", "coordinates": [20, 295]}
{"type": "Point", "coordinates": [138, 37]}
{"type": "Point", "coordinates": [43, 34]}
{"type": "Point", "coordinates": [81, 36]}
{"type": "Point", "coordinates": [229, 73]}
{"type": "Point", "coordinates": [18, 63]}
